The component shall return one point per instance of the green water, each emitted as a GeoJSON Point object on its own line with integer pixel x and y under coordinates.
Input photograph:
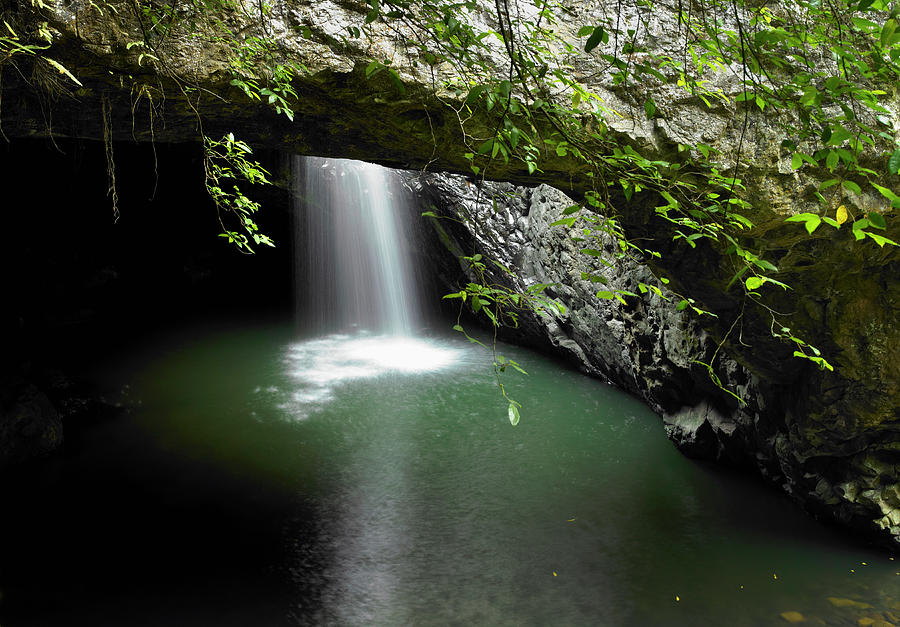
{"type": "Point", "coordinates": [268, 481]}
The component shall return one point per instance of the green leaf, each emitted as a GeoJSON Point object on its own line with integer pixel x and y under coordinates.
{"type": "Point", "coordinates": [810, 220]}
{"type": "Point", "coordinates": [668, 197]}
{"type": "Point", "coordinates": [513, 413]}
{"type": "Point", "coordinates": [474, 93]}
{"type": "Point", "coordinates": [890, 195]}
{"type": "Point", "coordinates": [741, 219]}
{"type": "Point", "coordinates": [373, 68]}
{"type": "Point", "coordinates": [514, 137]}
{"type": "Point", "coordinates": [838, 136]}
{"type": "Point", "coordinates": [887, 32]}
{"type": "Point", "coordinates": [796, 161]}
{"type": "Point", "coordinates": [682, 305]}
{"type": "Point", "coordinates": [881, 240]}
{"type": "Point", "coordinates": [650, 108]}
{"type": "Point", "coordinates": [398, 82]}
{"type": "Point", "coordinates": [597, 37]}
{"type": "Point", "coordinates": [517, 367]}
{"type": "Point", "coordinates": [63, 70]}
{"type": "Point", "coordinates": [594, 278]}
{"type": "Point", "coordinates": [851, 186]}
{"type": "Point", "coordinates": [605, 295]}
{"type": "Point", "coordinates": [765, 265]}
{"type": "Point", "coordinates": [754, 282]}
{"type": "Point", "coordinates": [894, 163]}
{"type": "Point", "coordinates": [876, 220]}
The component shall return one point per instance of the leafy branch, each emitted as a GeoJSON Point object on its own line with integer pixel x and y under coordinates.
{"type": "Point", "coordinates": [227, 161]}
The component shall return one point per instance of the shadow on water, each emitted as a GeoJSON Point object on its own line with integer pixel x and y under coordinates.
{"type": "Point", "coordinates": [142, 523]}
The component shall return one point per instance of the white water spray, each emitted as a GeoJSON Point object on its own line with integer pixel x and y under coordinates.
{"type": "Point", "coordinates": [353, 253]}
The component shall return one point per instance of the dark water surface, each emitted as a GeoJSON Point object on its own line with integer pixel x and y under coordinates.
{"type": "Point", "coordinates": [350, 481]}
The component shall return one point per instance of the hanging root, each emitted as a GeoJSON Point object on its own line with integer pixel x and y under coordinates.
{"type": "Point", "coordinates": [2, 134]}
{"type": "Point", "coordinates": [110, 161]}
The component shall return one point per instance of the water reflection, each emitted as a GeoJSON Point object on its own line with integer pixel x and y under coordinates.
{"type": "Point", "coordinates": [439, 512]}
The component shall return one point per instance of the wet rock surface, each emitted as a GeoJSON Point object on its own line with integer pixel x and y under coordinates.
{"type": "Point", "coordinates": [842, 468]}
{"type": "Point", "coordinates": [30, 426]}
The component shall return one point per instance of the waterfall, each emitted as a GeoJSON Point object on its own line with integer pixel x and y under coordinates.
{"type": "Point", "coordinates": [352, 260]}
{"type": "Point", "coordinates": [355, 289]}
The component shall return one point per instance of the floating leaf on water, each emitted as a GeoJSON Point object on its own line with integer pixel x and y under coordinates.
{"type": "Point", "coordinates": [793, 617]}
{"type": "Point", "coordinates": [841, 602]}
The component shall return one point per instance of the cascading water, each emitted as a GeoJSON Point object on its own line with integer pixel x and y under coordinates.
{"type": "Point", "coordinates": [355, 286]}
{"type": "Point", "coordinates": [353, 255]}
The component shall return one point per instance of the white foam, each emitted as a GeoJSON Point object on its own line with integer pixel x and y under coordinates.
{"type": "Point", "coordinates": [322, 365]}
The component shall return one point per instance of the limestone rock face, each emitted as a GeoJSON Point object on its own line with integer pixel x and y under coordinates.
{"type": "Point", "coordinates": [814, 445]}
{"type": "Point", "coordinates": [831, 439]}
